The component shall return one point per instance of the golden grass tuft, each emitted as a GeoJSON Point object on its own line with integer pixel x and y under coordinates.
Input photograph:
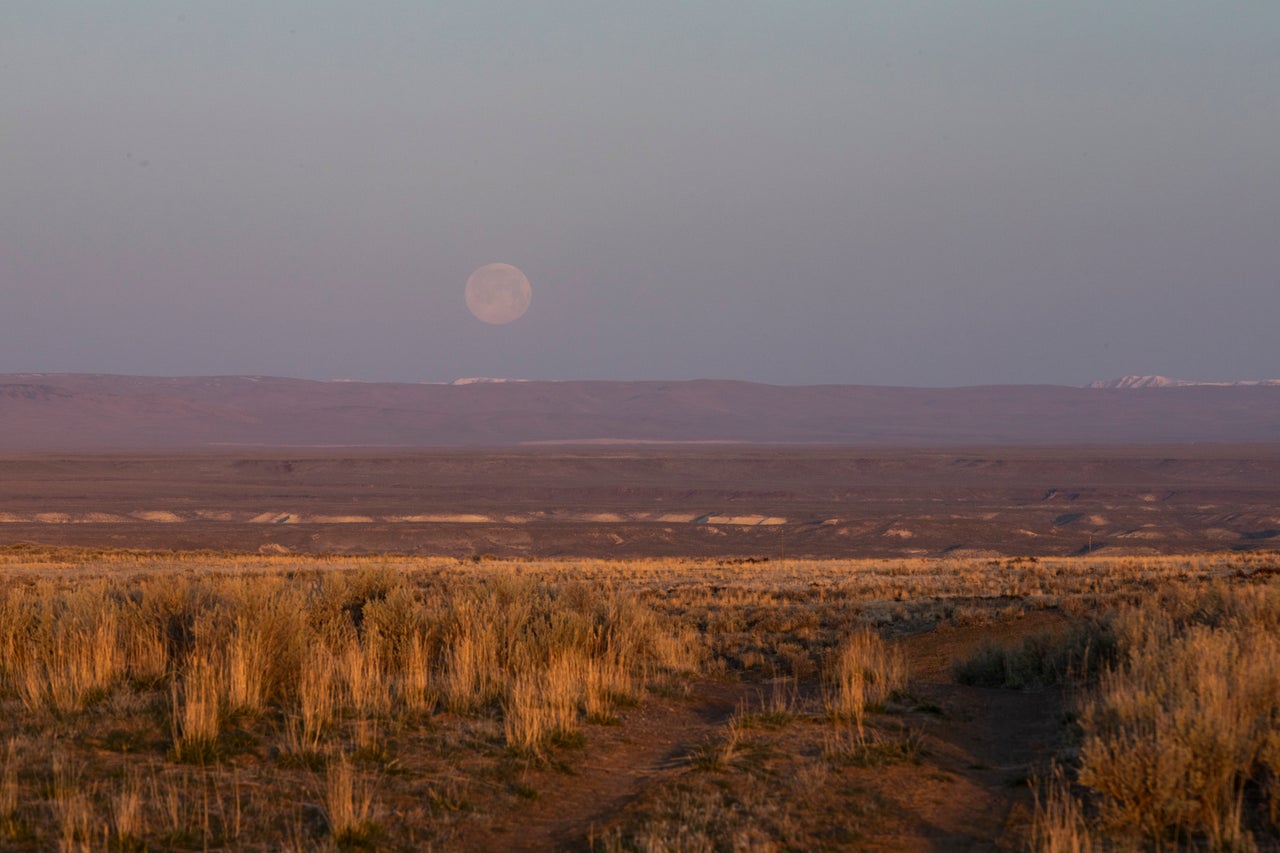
{"type": "Point", "coordinates": [862, 674]}
{"type": "Point", "coordinates": [1059, 824]}
{"type": "Point", "coordinates": [347, 801]}
{"type": "Point", "coordinates": [72, 807]}
{"type": "Point", "coordinates": [128, 813]}
{"type": "Point", "coordinates": [317, 696]}
{"type": "Point", "coordinates": [470, 667]}
{"type": "Point", "coordinates": [365, 686]}
{"type": "Point", "coordinates": [197, 711]}
{"type": "Point", "coordinates": [10, 790]}
{"type": "Point", "coordinates": [418, 691]}
{"type": "Point", "coordinates": [248, 659]}
{"type": "Point", "coordinates": [543, 705]}
{"type": "Point", "coordinates": [73, 661]}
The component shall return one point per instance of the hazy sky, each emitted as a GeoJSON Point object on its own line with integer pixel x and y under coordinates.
{"type": "Point", "coordinates": [894, 192]}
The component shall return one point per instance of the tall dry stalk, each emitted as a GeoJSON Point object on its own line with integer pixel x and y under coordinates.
{"type": "Point", "coordinates": [10, 790]}
{"type": "Point", "coordinates": [366, 689]}
{"type": "Point", "coordinates": [543, 704]}
{"type": "Point", "coordinates": [417, 684]}
{"type": "Point", "coordinates": [196, 707]}
{"type": "Point", "coordinates": [72, 661]}
{"type": "Point", "coordinates": [603, 684]}
{"type": "Point", "coordinates": [19, 621]}
{"type": "Point", "coordinates": [128, 813]}
{"type": "Point", "coordinates": [146, 653]}
{"type": "Point", "coordinates": [316, 695]}
{"type": "Point", "coordinates": [1058, 824]}
{"type": "Point", "coordinates": [347, 802]}
{"type": "Point", "coordinates": [248, 660]}
{"type": "Point", "coordinates": [171, 798]}
{"type": "Point", "coordinates": [72, 807]}
{"type": "Point", "coordinates": [862, 674]}
{"type": "Point", "coordinates": [527, 720]}
{"type": "Point", "coordinates": [470, 668]}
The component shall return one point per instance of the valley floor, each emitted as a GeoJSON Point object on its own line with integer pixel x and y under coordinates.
{"type": "Point", "coordinates": [709, 501]}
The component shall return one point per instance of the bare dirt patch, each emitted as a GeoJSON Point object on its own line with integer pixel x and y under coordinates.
{"type": "Point", "coordinates": [944, 768]}
{"type": "Point", "coordinates": [651, 745]}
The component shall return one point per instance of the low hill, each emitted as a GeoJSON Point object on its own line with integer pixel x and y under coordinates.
{"type": "Point", "coordinates": [82, 412]}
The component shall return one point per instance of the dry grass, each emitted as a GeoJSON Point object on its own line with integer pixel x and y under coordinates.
{"type": "Point", "coordinates": [864, 672]}
{"type": "Point", "coordinates": [1043, 659]}
{"type": "Point", "coordinates": [77, 653]}
{"type": "Point", "coordinates": [469, 679]}
{"type": "Point", "coordinates": [196, 708]}
{"type": "Point", "coordinates": [128, 813]}
{"type": "Point", "coordinates": [1059, 824]}
{"type": "Point", "coordinates": [284, 669]}
{"type": "Point", "coordinates": [229, 701]}
{"type": "Point", "coordinates": [1179, 737]}
{"type": "Point", "coordinates": [10, 790]}
{"type": "Point", "coordinates": [72, 807]}
{"type": "Point", "coordinates": [247, 667]}
{"type": "Point", "coordinates": [348, 803]}
{"type": "Point", "coordinates": [317, 696]}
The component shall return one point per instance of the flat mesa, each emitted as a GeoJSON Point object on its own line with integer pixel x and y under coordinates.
{"type": "Point", "coordinates": [498, 294]}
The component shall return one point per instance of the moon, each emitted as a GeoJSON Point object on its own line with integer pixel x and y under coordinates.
{"type": "Point", "coordinates": [498, 293]}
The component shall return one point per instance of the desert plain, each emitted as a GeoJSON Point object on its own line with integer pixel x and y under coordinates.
{"type": "Point", "coordinates": [677, 647]}
{"type": "Point", "coordinates": [646, 501]}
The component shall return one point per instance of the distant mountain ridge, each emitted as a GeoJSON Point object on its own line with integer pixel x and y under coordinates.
{"type": "Point", "coordinates": [1166, 382]}
{"type": "Point", "coordinates": [88, 412]}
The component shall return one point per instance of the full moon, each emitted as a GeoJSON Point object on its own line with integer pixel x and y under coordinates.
{"type": "Point", "coordinates": [498, 293]}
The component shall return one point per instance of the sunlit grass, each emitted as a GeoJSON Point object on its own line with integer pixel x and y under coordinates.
{"type": "Point", "coordinates": [157, 700]}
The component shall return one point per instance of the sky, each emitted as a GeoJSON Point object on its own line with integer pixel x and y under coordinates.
{"type": "Point", "coordinates": [891, 193]}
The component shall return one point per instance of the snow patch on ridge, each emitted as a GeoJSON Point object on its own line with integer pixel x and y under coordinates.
{"type": "Point", "coordinates": [1166, 382]}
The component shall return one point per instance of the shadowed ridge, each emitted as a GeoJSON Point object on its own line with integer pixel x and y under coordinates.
{"type": "Point", "coordinates": [48, 412]}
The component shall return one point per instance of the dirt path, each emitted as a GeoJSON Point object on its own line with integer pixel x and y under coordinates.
{"type": "Point", "coordinates": [620, 763]}
{"type": "Point", "coordinates": [971, 792]}
{"type": "Point", "coordinates": [968, 791]}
